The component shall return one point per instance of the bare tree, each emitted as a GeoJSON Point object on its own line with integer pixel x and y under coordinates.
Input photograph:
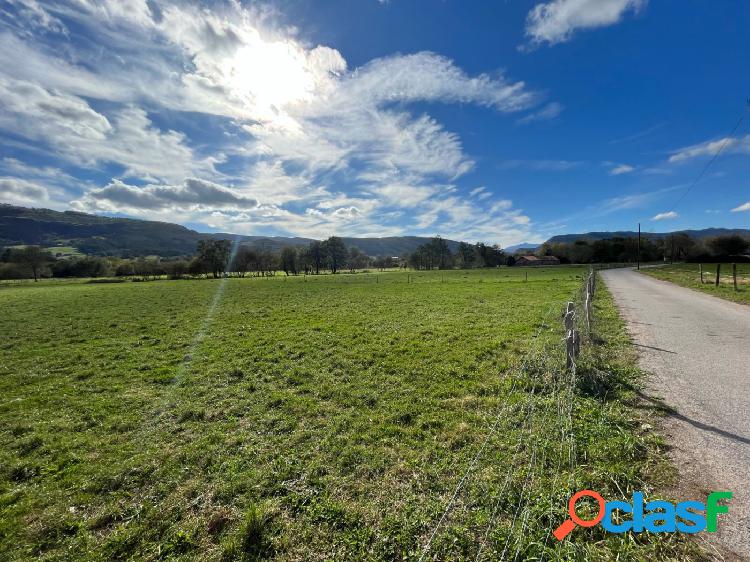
{"type": "Point", "coordinates": [34, 258]}
{"type": "Point", "coordinates": [288, 260]}
{"type": "Point", "coordinates": [244, 260]}
{"type": "Point", "coordinates": [316, 254]}
{"type": "Point", "coordinates": [357, 259]}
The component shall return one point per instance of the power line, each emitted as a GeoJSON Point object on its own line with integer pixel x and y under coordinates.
{"type": "Point", "coordinates": [715, 156]}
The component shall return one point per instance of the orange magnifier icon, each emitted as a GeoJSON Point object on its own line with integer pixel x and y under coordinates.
{"type": "Point", "coordinates": [569, 524]}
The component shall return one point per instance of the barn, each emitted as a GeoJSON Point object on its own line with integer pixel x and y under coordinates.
{"type": "Point", "coordinates": [537, 261]}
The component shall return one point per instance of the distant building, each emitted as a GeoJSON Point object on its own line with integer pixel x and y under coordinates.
{"type": "Point", "coordinates": [533, 260]}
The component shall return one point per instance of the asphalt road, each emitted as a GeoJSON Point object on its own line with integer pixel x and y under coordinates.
{"type": "Point", "coordinates": [697, 349]}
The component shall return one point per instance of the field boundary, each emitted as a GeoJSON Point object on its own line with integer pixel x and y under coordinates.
{"type": "Point", "coordinates": [561, 354]}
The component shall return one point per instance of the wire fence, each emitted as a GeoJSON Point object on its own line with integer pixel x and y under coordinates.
{"type": "Point", "coordinates": [727, 274]}
{"type": "Point", "coordinates": [541, 470]}
{"type": "Point", "coordinates": [369, 277]}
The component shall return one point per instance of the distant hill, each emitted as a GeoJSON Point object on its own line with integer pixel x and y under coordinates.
{"type": "Point", "coordinates": [97, 235]}
{"type": "Point", "coordinates": [531, 246]}
{"type": "Point", "coordinates": [698, 234]}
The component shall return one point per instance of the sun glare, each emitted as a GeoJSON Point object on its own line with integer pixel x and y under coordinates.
{"type": "Point", "coordinates": [270, 76]}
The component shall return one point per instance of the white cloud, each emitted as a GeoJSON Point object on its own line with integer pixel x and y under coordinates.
{"type": "Point", "coordinates": [310, 132]}
{"type": "Point", "coordinates": [431, 77]}
{"type": "Point", "coordinates": [625, 202]}
{"type": "Point", "coordinates": [480, 193]}
{"type": "Point", "coordinates": [27, 106]}
{"type": "Point", "coordinates": [192, 195]}
{"type": "Point", "coordinates": [32, 13]}
{"type": "Point", "coordinates": [22, 192]}
{"type": "Point", "coordinates": [45, 173]}
{"type": "Point", "coordinates": [556, 21]}
{"type": "Point", "coordinates": [621, 169]}
{"type": "Point", "coordinates": [742, 208]}
{"type": "Point", "coordinates": [740, 145]}
{"type": "Point", "coordinates": [549, 111]}
{"type": "Point", "coordinates": [665, 216]}
{"type": "Point", "coordinates": [85, 137]}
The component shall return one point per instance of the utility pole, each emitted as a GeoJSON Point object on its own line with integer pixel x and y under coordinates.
{"type": "Point", "coordinates": [639, 245]}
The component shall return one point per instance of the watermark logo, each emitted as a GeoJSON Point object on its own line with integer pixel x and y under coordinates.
{"type": "Point", "coordinates": [656, 516]}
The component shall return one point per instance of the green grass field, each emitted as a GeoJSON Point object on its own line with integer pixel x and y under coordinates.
{"type": "Point", "coordinates": [688, 275]}
{"type": "Point", "coordinates": [333, 417]}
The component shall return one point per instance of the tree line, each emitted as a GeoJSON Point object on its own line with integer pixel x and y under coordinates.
{"type": "Point", "coordinates": [436, 254]}
{"type": "Point", "coordinates": [675, 247]}
{"type": "Point", "coordinates": [213, 258]}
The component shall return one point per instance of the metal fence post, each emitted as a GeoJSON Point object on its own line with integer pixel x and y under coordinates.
{"type": "Point", "coordinates": [718, 270]}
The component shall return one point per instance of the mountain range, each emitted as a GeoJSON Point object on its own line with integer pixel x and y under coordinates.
{"type": "Point", "coordinates": [114, 236]}
{"type": "Point", "coordinates": [697, 234]}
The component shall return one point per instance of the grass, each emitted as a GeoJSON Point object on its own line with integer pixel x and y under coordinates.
{"type": "Point", "coordinates": [331, 417]}
{"type": "Point", "coordinates": [64, 251]}
{"type": "Point", "coordinates": [688, 275]}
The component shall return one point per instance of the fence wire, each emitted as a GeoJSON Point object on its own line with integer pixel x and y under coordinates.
{"type": "Point", "coordinates": [529, 498]}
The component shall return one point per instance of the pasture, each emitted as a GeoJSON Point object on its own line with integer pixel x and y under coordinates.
{"type": "Point", "coordinates": [349, 417]}
{"type": "Point", "coordinates": [688, 275]}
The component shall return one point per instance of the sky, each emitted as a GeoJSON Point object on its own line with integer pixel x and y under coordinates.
{"type": "Point", "coordinates": [501, 122]}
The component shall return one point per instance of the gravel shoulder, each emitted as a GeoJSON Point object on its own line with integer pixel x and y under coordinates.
{"type": "Point", "coordinates": [697, 349]}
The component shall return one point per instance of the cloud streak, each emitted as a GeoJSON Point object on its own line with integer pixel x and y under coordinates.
{"type": "Point", "coordinates": [665, 216]}
{"type": "Point", "coordinates": [740, 145]}
{"type": "Point", "coordinates": [557, 21]}
{"type": "Point", "coordinates": [621, 169]}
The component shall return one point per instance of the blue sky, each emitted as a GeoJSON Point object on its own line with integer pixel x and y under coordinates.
{"type": "Point", "coordinates": [494, 121]}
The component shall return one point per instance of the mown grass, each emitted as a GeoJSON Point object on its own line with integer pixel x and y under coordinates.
{"type": "Point", "coordinates": [334, 417]}
{"type": "Point", "coordinates": [688, 275]}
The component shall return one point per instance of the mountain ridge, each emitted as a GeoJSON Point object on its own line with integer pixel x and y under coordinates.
{"type": "Point", "coordinates": [607, 235]}
{"type": "Point", "coordinates": [126, 237]}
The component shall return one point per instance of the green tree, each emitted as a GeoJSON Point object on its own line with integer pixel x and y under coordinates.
{"type": "Point", "coordinates": [214, 254]}
{"type": "Point", "coordinates": [244, 260]}
{"type": "Point", "coordinates": [731, 245]}
{"type": "Point", "coordinates": [490, 256]}
{"type": "Point", "coordinates": [335, 252]}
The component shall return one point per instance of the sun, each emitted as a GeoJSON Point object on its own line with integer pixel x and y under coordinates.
{"type": "Point", "coordinates": [270, 76]}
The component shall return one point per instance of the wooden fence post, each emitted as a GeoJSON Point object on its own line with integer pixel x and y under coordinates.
{"type": "Point", "coordinates": [734, 275]}
{"type": "Point", "coordinates": [569, 312]}
{"type": "Point", "coordinates": [571, 337]}
{"type": "Point", "coordinates": [700, 269]}
{"type": "Point", "coordinates": [718, 270]}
